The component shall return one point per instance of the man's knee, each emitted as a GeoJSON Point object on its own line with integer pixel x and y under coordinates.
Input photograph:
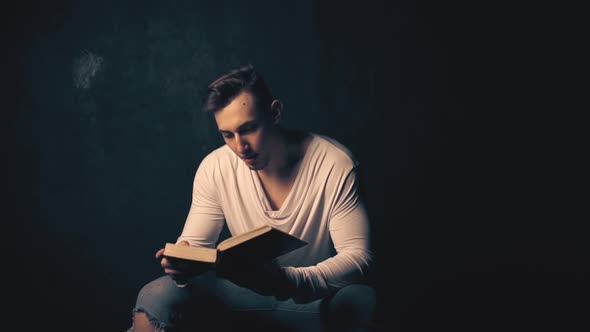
{"type": "Point", "coordinates": [167, 305]}
{"type": "Point", "coordinates": [353, 306]}
{"type": "Point", "coordinates": [144, 322]}
{"type": "Point", "coordinates": [161, 302]}
{"type": "Point", "coordinates": [162, 291]}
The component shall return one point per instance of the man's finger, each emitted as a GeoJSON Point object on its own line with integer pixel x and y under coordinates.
{"type": "Point", "coordinates": [172, 272]}
{"type": "Point", "coordinates": [164, 262]}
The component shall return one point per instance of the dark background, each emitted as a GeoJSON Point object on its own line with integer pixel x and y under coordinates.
{"type": "Point", "coordinates": [470, 121]}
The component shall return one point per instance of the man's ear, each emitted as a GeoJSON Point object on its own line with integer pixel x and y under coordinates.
{"type": "Point", "coordinates": [276, 110]}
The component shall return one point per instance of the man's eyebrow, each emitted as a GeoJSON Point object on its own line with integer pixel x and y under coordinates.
{"type": "Point", "coordinates": [240, 127]}
{"type": "Point", "coordinates": [249, 123]}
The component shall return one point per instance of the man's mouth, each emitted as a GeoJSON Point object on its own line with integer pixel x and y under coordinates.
{"type": "Point", "coordinates": [249, 158]}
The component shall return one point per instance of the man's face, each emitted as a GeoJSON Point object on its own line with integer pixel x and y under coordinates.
{"type": "Point", "coordinates": [246, 130]}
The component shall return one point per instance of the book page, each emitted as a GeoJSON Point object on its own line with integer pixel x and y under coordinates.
{"type": "Point", "coordinates": [200, 254]}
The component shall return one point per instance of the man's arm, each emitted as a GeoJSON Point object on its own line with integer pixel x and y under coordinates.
{"type": "Point", "coordinates": [205, 218]}
{"type": "Point", "coordinates": [202, 227]}
{"type": "Point", "coordinates": [350, 233]}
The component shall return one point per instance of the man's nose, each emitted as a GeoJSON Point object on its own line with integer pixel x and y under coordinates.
{"type": "Point", "coordinates": [241, 144]}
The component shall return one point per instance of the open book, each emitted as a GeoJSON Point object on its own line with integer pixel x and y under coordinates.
{"type": "Point", "coordinates": [262, 243]}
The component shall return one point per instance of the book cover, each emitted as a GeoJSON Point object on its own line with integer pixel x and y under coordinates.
{"type": "Point", "coordinates": [262, 243]}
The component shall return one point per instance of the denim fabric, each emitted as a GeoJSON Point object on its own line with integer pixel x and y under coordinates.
{"type": "Point", "coordinates": [207, 302]}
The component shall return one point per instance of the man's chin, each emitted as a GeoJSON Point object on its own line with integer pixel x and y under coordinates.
{"type": "Point", "coordinates": [254, 167]}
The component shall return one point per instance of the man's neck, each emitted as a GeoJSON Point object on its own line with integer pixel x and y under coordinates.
{"type": "Point", "coordinates": [287, 153]}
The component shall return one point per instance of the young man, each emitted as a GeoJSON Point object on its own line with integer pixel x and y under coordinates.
{"type": "Point", "coordinates": [301, 183]}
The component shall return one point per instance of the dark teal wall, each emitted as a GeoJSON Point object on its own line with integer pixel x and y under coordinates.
{"type": "Point", "coordinates": [468, 119]}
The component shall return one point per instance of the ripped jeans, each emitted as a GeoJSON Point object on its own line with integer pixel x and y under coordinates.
{"type": "Point", "coordinates": [211, 303]}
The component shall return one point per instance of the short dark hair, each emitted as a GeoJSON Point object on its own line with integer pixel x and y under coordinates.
{"type": "Point", "coordinates": [224, 89]}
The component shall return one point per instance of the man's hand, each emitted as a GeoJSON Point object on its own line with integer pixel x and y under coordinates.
{"type": "Point", "coordinates": [178, 269]}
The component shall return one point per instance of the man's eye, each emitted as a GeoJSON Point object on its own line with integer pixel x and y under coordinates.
{"type": "Point", "coordinates": [227, 135]}
{"type": "Point", "coordinates": [248, 129]}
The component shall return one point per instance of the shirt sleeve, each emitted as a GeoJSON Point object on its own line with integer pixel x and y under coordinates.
{"type": "Point", "coordinates": [350, 233]}
{"type": "Point", "coordinates": [205, 218]}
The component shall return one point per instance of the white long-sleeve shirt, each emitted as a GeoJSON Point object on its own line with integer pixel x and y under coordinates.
{"type": "Point", "coordinates": [323, 208]}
